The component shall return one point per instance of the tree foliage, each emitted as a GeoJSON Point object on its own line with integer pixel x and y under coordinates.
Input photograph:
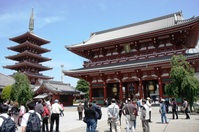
{"type": "Point", "coordinates": [21, 90]}
{"type": "Point", "coordinates": [83, 86]}
{"type": "Point", "coordinates": [6, 92]}
{"type": "Point", "coordinates": [183, 84]}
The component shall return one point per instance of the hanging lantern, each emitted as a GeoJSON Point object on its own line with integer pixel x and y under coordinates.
{"type": "Point", "coordinates": [127, 48]}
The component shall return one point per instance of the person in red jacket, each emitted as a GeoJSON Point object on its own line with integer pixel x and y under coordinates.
{"type": "Point", "coordinates": [45, 117]}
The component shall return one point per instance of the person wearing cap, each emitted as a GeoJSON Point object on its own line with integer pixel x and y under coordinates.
{"type": "Point", "coordinates": [148, 102]}
{"type": "Point", "coordinates": [56, 109]}
{"type": "Point", "coordinates": [113, 115]}
{"type": "Point", "coordinates": [163, 111]}
{"type": "Point", "coordinates": [145, 116]}
{"type": "Point", "coordinates": [128, 110]}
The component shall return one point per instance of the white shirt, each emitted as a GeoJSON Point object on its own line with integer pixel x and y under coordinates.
{"type": "Point", "coordinates": [113, 111]}
{"type": "Point", "coordinates": [6, 116]}
{"type": "Point", "coordinates": [56, 108]}
{"type": "Point", "coordinates": [22, 110]}
{"type": "Point", "coordinates": [149, 105]}
{"type": "Point", "coordinates": [26, 116]}
{"type": "Point", "coordinates": [145, 113]}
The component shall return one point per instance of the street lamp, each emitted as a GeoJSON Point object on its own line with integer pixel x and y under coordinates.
{"type": "Point", "coordinates": [62, 66]}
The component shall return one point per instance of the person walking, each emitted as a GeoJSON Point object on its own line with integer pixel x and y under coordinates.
{"type": "Point", "coordinates": [148, 102]}
{"type": "Point", "coordinates": [97, 109]}
{"type": "Point", "coordinates": [185, 107]}
{"type": "Point", "coordinates": [39, 108]}
{"type": "Point", "coordinates": [56, 109]}
{"type": "Point", "coordinates": [145, 116]}
{"type": "Point", "coordinates": [113, 115]}
{"type": "Point", "coordinates": [135, 112]}
{"type": "Point", "coordinates": [15, 112]}
{"type": "Point", "coordinates": [21, 113]}
{"type": "Point", "coordinates": [4, 115]}
{"type": "Point", "coordinates": [90, 116]}
{"type": "Point", "coordinates": [174, 108]}
{"type": "Point", "coordinates": [80, 109]}
{"type": "Point", "coordinates": [45, 118]}
{"type": "Point", "coordinates": [85, 103]}
{"type": "Point", "coordinates": [62, 111]}
{"type": "Point", "coordinates": [128, 111]}
{"type": "Point", "coordinates": [163, 111]}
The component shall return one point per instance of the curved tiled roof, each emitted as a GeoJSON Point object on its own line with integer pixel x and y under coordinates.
{"type": "Point", "coordinates": [59, 87]}
{"type": "Point", "coordinates": [26, 63]}
{"type": "Point", "coordinates": [6, 80]}
{"type": "Point", "coordinates": [27, 44]}
{"type": "Point", "coordinates": [26, 36]}
{"type": "Point", "coordinates": [27, 53]}
{"type": "Point", "coordinates": [139, 28]}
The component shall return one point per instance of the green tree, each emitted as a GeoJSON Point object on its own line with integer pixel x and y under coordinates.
{"type": "Point", "coordinates": [6, 92]}
{"type": "Point", "coordinates": [183, 84]}
{"type": "Point", "coordinates": [21, 90]}
{"type": "Point", "coordinates": [83, 86]}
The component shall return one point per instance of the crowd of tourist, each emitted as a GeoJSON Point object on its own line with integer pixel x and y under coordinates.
{"type": "Point", "coordinates": [39, 113]}
{"type": "Point", "coordinates": [129, 109]}
{"type": "Point", "coordinates": [90, 112]}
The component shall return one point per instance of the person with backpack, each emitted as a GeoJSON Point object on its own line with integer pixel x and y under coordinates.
{"type": "Point", "coordinates": [31, 121]}
{"type": "Point", "coordinates": [15, 112]}
{"type": "Point", "coordinates": [90, 115]}
{"type": "Point", "coordinates": [174, 107]}
{"type": "Point", "coordinates": [7, 123]}
{"type": "Point", "coordinates": [98, 112]}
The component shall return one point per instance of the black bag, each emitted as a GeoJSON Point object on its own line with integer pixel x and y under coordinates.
{"type": "Point", "coordinates": [34, 123]}
{"type": "Point", "coordinates": [84, 120]}
{"type": "Point", "coordinates": [8, 125]}
{"type": "Point", "coordinates": [99, 111]}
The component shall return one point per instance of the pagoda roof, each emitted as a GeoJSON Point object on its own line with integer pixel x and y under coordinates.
{"type": "Point", "coordinates": [27, 53]}
{"type": "Point", "coordinates": [18, 66]}
{"type": "Point", "coordinates": [37, 75]}
{"type": "Point", "coordinates": [164, 23]}
{"type": "Point", "coordinates": [134, 64]}
{"type": "Point", "coordinates": [30, 36]}
{"type": "Point", "coordinates": [26, 44]}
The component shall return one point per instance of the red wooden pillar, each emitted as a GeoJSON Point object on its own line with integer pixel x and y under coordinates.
{"type": "Point", "coordinates": [105, 94]}
{"type": "Point", "coordinates": [90, 91]}
{"type": "Point", "coordinates": [160, 87]}
{"type": "Point", "coordinates": [140, 86]}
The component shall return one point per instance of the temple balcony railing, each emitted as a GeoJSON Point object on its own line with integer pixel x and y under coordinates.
{"type": "Point", "coordinates": [131, 58]}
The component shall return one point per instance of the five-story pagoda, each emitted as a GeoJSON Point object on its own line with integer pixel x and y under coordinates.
{"type": "Point", "coordinates": [29, 54]}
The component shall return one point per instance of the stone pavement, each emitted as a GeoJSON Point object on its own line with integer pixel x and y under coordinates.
{"type": "Point", "coordinates": [70, 122]}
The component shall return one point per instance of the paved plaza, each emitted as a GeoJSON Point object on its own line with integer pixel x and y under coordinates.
{"type": "Point", "coordinates": [70, 122]}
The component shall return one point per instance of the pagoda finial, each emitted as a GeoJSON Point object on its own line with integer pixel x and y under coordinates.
{"type": "Point", "coordinates": [31, 22]}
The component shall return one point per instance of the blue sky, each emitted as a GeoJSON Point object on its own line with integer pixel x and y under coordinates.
{"type": "Point", "coordinates": [66, 22]}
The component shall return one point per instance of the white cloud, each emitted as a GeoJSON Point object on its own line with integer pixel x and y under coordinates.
{"type": "Point", "coordinates": [41, 22]}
